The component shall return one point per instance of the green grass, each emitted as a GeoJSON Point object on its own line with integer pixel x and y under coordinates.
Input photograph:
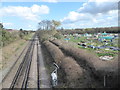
{"type": "Point", "coordinates": [103, 52]}
{"type": "Point", "coordinates": [21, 44]}
{"type": "Point", "coordinates": [77, 39]}
{"type": "Point", "coordinates": [28, 37]}
{"type": "Point", "coordinates": [16, 49]}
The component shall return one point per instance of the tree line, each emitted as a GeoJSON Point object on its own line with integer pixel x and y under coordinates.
{"type": "Point", "coordinates": [7, 37]}
{"type": "Point", "coordinates": [91, 30]}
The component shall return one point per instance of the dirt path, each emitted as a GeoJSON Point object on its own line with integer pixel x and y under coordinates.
{"type": "Point", "coordinates": [44, 78]}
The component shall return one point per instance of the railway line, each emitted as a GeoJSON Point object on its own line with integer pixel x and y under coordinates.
{"type": "Point", "coordinates": [20, 74]}
{"type": "Point", "coordinates": [30, 63]}
{"type": "Point", "coordinates": [38, 70]}
{"type": "Point", "coordinates": [16, 61]}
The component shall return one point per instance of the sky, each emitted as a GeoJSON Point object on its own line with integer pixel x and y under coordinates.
{"type": "Point", "coordinates": [75, 14]}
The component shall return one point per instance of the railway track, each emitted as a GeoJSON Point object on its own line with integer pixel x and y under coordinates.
{"type": "Point", "coordinates": [21, 67]}
{"type": "Point", "coordinates": [24, 84]}
{"type": "Point", "coordinates": [15, 62]}
{"type": "Point", "coordinates": [38, 78]}
{"type": "Point", "coordinates": [30, 71]}
{"type": "Point", "coordinates": [22, 75]}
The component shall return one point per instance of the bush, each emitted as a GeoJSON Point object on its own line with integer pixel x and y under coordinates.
{"type": "Point", "coordinates": [46, 34]}
{"type": "Point", "coordinates": [55, 52]}
{"type": "Point", "coordinates": [8, 37]}
{"type": "Point", "coordinates": [73, 71]}
{"type": "Point", "coordinates": [98, 67]}
{"type": "Point", "coordinates": [58, 36]}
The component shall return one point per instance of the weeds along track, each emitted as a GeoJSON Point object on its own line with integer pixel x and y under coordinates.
{"type": "Point", "coordinates": [99, 68]}
{"type": "Point", "coordinates": [73, 71]}
{"type": "Point", "coordinates": [22, 75]}
{"type": "Point", "coordinates": [16, 61]}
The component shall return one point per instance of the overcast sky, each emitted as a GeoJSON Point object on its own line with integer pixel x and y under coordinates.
{"type": "Point", "coordinates": [92, 13]}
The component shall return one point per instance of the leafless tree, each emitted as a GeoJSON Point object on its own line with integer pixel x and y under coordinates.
{"type": "Point", "coordinates": [48, 25]}
{"type": "Point", "coordinates": [45, 25]}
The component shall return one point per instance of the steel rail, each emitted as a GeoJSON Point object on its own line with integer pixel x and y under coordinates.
{"type": "Point", "coordinates": [16, 61]}
{"type": "Point", "coordinates": [24, 84]}
{"type": "Point", "coordinates": [20, 69]}
{"type": "Point", "coordinates": [38, 78]}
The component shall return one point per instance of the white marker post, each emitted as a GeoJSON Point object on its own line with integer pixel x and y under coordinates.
{"type": "Point", "coordinates": [54, 75]}
{"type": "Point", "coordinates": [104, 81]}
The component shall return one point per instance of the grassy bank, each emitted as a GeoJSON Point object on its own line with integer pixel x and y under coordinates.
{"type": "Point", "coordinates": [10, 50]}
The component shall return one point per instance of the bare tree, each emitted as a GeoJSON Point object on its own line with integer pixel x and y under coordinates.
{"type": "Point", "coordinates": [45, 25]}
{"type": "Point", "coordinates": [48, 25]}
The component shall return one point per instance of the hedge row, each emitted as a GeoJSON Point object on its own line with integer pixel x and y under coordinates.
{"type": "Point", "coordinates": [98, 67]}
{"type": "Point", "coordinates": [72, 70]}
{"type": "Point", "coordinates": [91, 30]}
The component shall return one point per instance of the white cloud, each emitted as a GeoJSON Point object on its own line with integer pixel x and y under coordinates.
{"type": "Point", "coordinates": [43, 9]}
{"type": "Point", "coordinates": [72, 25]}
{"type": "Point", "coordinates": [93, 13]}
{"type": "Point", "coordinates": [59, 0]}
{"type": "Point", "coordinates": [98, 7]}
{"type": "Point", "coordinates": [31, 27]}
{"type": "Point", "coordinates": [30, 13]}
{"type": "Point", "coordinates": [81, 20]}
{"type": "Point", "coordinates": [75, 16]}
{"type": "Point", "coordinates": [103, 0]}
{"type": "Point", "coordinates": [7, 24]}
{"type": "Point", "coordinates": [51, 1]}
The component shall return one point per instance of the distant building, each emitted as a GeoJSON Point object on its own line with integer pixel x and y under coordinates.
{"type": "Point", "coordinates": [12, 30]}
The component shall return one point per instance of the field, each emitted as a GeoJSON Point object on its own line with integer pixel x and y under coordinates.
{"type": "Point", "coordinates": [92, 44]}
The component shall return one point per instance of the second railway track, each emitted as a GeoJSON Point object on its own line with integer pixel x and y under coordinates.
{"type": "Point", "coordinates": [21, 77]}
